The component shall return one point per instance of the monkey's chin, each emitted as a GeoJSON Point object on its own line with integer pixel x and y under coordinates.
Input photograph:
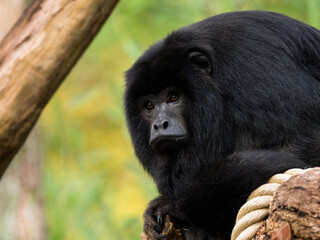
{"type": "Point", "coordinates": [168, 144]}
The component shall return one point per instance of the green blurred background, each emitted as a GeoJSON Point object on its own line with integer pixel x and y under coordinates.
{"type": "Point", "coordinates": [93, 186]}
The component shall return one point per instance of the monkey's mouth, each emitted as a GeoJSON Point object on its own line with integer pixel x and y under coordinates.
{"type": "Point", "coordinates": [167, 143]}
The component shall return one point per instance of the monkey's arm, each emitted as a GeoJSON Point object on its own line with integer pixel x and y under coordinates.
{"type": "Point", "coordinates": [213, 196]}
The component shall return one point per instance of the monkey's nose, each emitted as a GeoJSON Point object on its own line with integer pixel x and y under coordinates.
{"type": "Point", "coordinates": [161, 125]}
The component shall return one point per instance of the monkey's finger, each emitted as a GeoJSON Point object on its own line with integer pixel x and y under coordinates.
{"type": "Point", "coordinates": [144, 236]}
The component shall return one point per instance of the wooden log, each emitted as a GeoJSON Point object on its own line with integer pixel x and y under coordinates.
{"type": "Point", "coordinates": [295, 210]}
{"type": "Point", "coordinates": [36, 56]}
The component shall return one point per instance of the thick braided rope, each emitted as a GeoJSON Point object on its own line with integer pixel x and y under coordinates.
{"type": "Point", "coordinates": [255, 210]}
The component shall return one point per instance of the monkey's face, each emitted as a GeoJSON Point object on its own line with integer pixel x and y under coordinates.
{"type": "Point", "coordinates": [167, 93]}
{"type": "Point", "coordinates": [165, 115]}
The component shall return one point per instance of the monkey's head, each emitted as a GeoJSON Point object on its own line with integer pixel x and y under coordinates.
{"type": "Point", "coordinates": [166, 112]}
{"type": "Point", "coordinates": [171, 103]}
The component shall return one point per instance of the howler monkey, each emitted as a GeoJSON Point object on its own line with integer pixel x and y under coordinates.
{"type": "Point", "coordinates": [218, 107]}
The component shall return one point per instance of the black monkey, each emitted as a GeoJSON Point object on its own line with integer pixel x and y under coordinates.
{"type": "Point", "coordinates": [217, 108]}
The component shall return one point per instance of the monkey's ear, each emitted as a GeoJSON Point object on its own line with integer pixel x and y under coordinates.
{"type": "Point", "coordinates": [201, 61]}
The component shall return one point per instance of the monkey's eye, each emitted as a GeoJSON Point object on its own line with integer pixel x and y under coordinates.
{"type": "Point", "coordinates": [148, 106]}
{"type": "Point", "coordinates": [173, 97]}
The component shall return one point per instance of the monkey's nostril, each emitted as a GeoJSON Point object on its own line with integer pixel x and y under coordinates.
{"type": "Point", "coordinates": [163, 125]}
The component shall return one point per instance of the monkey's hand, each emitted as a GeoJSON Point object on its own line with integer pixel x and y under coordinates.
{"type": "Point", "coordinates": [154, 218]}
{"type": "Point", "coordinates": [195, 233]}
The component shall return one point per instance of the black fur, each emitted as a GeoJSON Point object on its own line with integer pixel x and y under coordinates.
{"type": "Point", "coordinates": [254, 112]}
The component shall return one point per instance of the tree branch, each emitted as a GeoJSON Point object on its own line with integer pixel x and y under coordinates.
{"type": "Point", "coordinates": [36, 56]}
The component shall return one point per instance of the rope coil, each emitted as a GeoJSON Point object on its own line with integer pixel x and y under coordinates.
{"type": "Point", "coordinates": [255, 210]}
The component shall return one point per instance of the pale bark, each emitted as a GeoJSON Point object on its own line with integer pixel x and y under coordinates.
{"type": "Point", "coordinates": [36, 56]}
{"type": "Point", "coordinates": [21, 203]}
{"type": "Point", "coordinates": [21, 196]}
{"type": "Point", "coordinates": [10, 10]}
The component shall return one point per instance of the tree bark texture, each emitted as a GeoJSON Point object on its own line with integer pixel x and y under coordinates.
{"type": "Point", "coordinates": [21, 196]}
{"type": "Point", "coordinates": [36, 56]}
{"type": "Point", "coordinates": [295, 210]}
{"type": "Point", "coordinates": [10, 10]}
{"type": "Point", "coordinates": [21, 202]}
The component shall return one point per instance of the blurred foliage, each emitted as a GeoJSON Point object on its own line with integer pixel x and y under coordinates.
{"type": "Point", "coordinates": [94, 186]}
